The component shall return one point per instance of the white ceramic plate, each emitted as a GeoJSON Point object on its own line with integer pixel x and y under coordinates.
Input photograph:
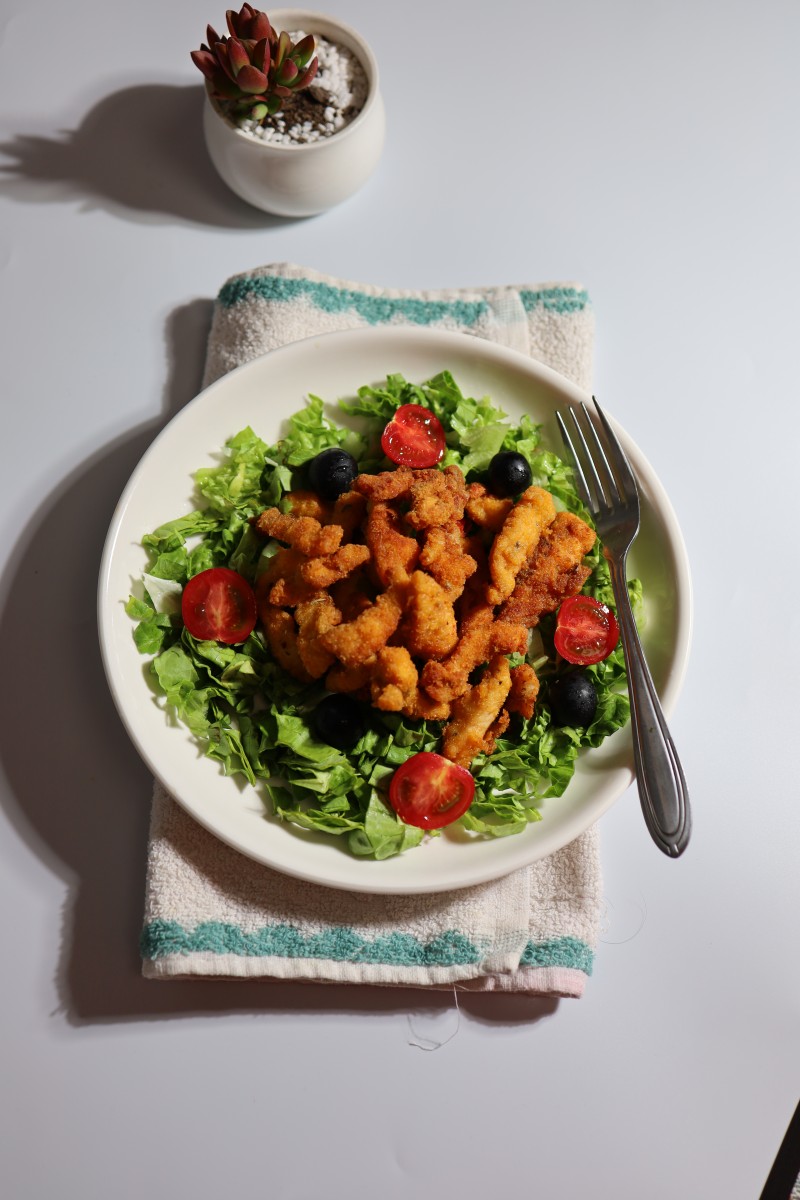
{"type": "Point", "coordinates": [262, 394]}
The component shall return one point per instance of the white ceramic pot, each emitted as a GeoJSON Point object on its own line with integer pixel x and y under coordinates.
{"type": "Point", "coordinates": [299, 181]}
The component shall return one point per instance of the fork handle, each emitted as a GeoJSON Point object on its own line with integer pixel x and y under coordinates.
{"type": "Point", "coordinates": [659, 776]}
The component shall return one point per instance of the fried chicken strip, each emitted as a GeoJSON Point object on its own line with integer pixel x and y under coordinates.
{"type": "Point", "coordinates": [481, 638]}
{"type": "Point", "coordinates": [315, 617]}
{"type": "Point", "coordinates": [524, 690]}
{"type": "Point", "coordinates": [280, 582]}
{"type": "Point", "coordinates": [487, 511]}
{"type": "Point", "coordinates": [303, 533]}
{"type": "Point", "coordinates": [443, 556]}
{"type": "Point", "coordinates": [353, 642]}
{"type": "Point", "coordinates": [553, 572]}
{"type": "Point", "coordinates": [516, 540]}
{"type": "Point", "coordinates": [387, 485]}
{"type": "Point", "coordinates": [322, 573]}
{"type": "Point", "coordinates": [393, 554]}
{"type": "Point", "coordinates": [429, 626]}
{"type": "Point", "coordinates": [281, 632]}
{"type": "Point", "coordinates": [393, 683]}
{"type": "Point", "coordinates": [474, 714]}
{"type": "Point", "coordinates": [437, 498]}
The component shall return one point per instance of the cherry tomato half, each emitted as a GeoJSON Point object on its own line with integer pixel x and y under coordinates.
{"type": "Point", "coordinates": [586, 631]}
{"type": "Point", "coordinates": [430, 791]}
{"type": "Point", "coordinates": [218, 605]}
{"type": "Point", "coordinates": [414, 437]}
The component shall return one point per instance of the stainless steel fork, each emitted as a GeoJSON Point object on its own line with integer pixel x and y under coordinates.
{"type": "Point", "coordinates": [607, 486]}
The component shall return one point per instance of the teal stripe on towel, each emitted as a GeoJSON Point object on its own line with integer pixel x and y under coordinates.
{"type": "Point", "coordinates": [557, 299]}
{"type": "Point", "coordinates": [375, 310]}
{"type": "Point", "coordinates": [342, 944]}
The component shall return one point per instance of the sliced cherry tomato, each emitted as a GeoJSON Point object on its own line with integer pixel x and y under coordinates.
{"type": "Point", "coordinates": [430, 791]}
{"type": "Point", "coordinates": [414, 437]}
{"type": "Point", "coordinates": [586, 631]}
{"type": "Point", "coordinates": [218, 605]}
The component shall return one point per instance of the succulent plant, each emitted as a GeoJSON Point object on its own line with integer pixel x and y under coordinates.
{"type": "Point", "coordinates": [254, 70]}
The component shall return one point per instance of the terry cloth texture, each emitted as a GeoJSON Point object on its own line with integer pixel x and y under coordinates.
{"type": "Point", "coordinates": [209, 911]}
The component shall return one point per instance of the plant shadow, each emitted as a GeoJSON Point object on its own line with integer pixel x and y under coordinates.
{"type": "Point", "coordinates": [77, 792]}
{"type": "Point", "coordinates": [139, 153]}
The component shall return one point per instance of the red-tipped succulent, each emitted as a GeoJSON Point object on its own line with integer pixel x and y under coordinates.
{"type": "Point", "coordinates": [254, 70]}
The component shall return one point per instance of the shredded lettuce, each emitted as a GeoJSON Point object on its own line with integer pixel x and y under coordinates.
{"type": "Point", "coordinates": [254, 719]}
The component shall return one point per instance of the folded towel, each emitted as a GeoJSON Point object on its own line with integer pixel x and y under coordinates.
{"type": "Point", "coordinates": [209, 911]}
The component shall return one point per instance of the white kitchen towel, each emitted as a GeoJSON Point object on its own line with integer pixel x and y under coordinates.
{"type": "Point", "coordinates": [209, 911]}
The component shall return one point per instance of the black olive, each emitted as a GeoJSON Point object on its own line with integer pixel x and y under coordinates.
{"type": "Point", "coordinates": [509, 473]}
{"type": "Point", "coordinates": [339, 721]}
{"type": "Point", "coordinates": [573, 699]}
{"type": "Point", "coordinates": [332, 472]}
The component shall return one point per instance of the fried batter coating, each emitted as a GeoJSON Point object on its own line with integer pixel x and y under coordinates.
{"type": "Point", "coordinates": [353, 680]}
{"type": "Point", "coordinates": [524, 690]}
{"type": "Point", "coordinates": [487, 511]}
{"type": "Point", "coordinates": [393, 554]}
{"type": "Point", "coordinates": [443, 556]}
{"type": "Point", "coordinates": [388, 485]}
{"type": "Point", "coordinates": [303, 533]}
{"type": "Point", "coordinates": [394, 679]}
{"type": "Point", "coordinates": [309, 504]}
{"type": "Point", "coordinates": [280, 583]}
{"type": "Point", "coordinates": [281, 634]}
{"type": "Point", "coordinates": [474, 713]}
{"type": "Point", "coordinates": [516, 540]}
{"type": "Point", "coordinates": [437, 498]}
{"type": "Point", "coordinates": [496, 730]}
{"type": "Point", "coordinates": [553, 572]}
{"type": "Point", "coordinates": [322, 573]}
{"type": "Point", "coordinates": [429, 623]}
{"type": "Point", "coordinates": [355, 641]}
{"type": "Point", "coordinates": [481, 638]}
{"type": "Point", "coordinates": [348, 512]}
{"type": "Point", "coordinates": [424, 708]}
{"type": "Point", "coordinates": [350, 595]}
{"type": "Point", "coordinates": [315, 617]}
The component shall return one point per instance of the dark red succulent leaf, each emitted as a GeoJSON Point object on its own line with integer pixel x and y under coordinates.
{"type": "Point", "coordinates": [237, 56]}
{"type": "Point", "coordinates": [260, 27]}
{"type": "Point", "coordinates": [251, 81]}
{"type": "Point", "coordinates": [212, 37]}
{"type": "Point", "coordinates": [260, 56]}
{"type": "Point", "coordinates": [308, 75]}
{"type": "Point", "coordinates": [283, 48]}
{"type": "Point", "coordinates": [205, 61]}
{"type": "Point", "coordinates": [287, 73]}
{"type": "Point", "coordinates": [221, 51]}
{"type": "Point", "coordinates": [279, 90]}
{"type": "Point", "coordinates": [303, 50]}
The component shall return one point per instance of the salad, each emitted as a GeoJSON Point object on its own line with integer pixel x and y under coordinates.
{"type": "Point", "coordinates": [332, 750]}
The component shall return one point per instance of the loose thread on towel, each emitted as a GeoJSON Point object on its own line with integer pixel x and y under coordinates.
{"type": "Point", "coordinates": [423, 1043]}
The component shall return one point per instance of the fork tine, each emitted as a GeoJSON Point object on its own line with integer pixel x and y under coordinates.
{"type": "Point", "coordinates": [626, 480]}
{"type": "Point", "coordinates": [575, 462]}
{"type": "Point", "coordinates": [603, 496]}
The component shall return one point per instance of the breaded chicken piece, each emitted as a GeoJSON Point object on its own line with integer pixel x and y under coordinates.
{"type": "Point", "coordinates": [315, 617]}
{"type": "Point", "coordinates": [496, 730]}
{"type": "Point", "coordinates": [474, 713]}
{"type": "Point", "coordinates": [348, 512]}
{"type": "Point", "coordinates": [524, 690]}
{"type": "Point", "coordinates": [516, 540]}
{"type": "Point", "coordinates": [553, 572]}
{"type": "Point", "coordinates": [444, 557]}
{"type": "Point", "coordinates": [350, 595]}
{"type": "Point", "coordinates": [322, 573]}
{"type": "Point", "coordinates": [281, 632]}
{"type": "Point", "coordinates": [308, 504]}
{"type": "Point", "coordinates": [303, 533]}
{"type": "Point", "coordinates": [393, 683]}
{"type": "Point", "coordinates": [423, 708]}
{"type": "Point", "coordinates": [353, 680]}
{"type": "Point", "coordinates": [388, 485]}
{"type": "Point", "coordinates": [481, 638]}
{"type": "Point", "coordinates": [280, 583]}
{"type": "Point", "coordinates": [394, 556]}
{"type": "Point", "coordinates": [429, 626]}
{"type": "Point", "coordinates": [437, 498]}
{"type": "Point", "coordinates": [487, 511]}
{"type": "Point", "coordinates": [355, 641]}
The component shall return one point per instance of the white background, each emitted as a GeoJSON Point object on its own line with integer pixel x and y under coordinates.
{"type": "Point", "coordinates": [647, 151]}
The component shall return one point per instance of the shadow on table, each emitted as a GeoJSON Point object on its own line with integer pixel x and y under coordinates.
{"type": "Point", "coordinates": [81, 794]}
{"type": "Point", "coordinates": [140, 154]}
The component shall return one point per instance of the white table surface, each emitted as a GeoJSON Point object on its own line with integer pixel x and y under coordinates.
{"type": "Point", "coordinates": [649, 152]}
